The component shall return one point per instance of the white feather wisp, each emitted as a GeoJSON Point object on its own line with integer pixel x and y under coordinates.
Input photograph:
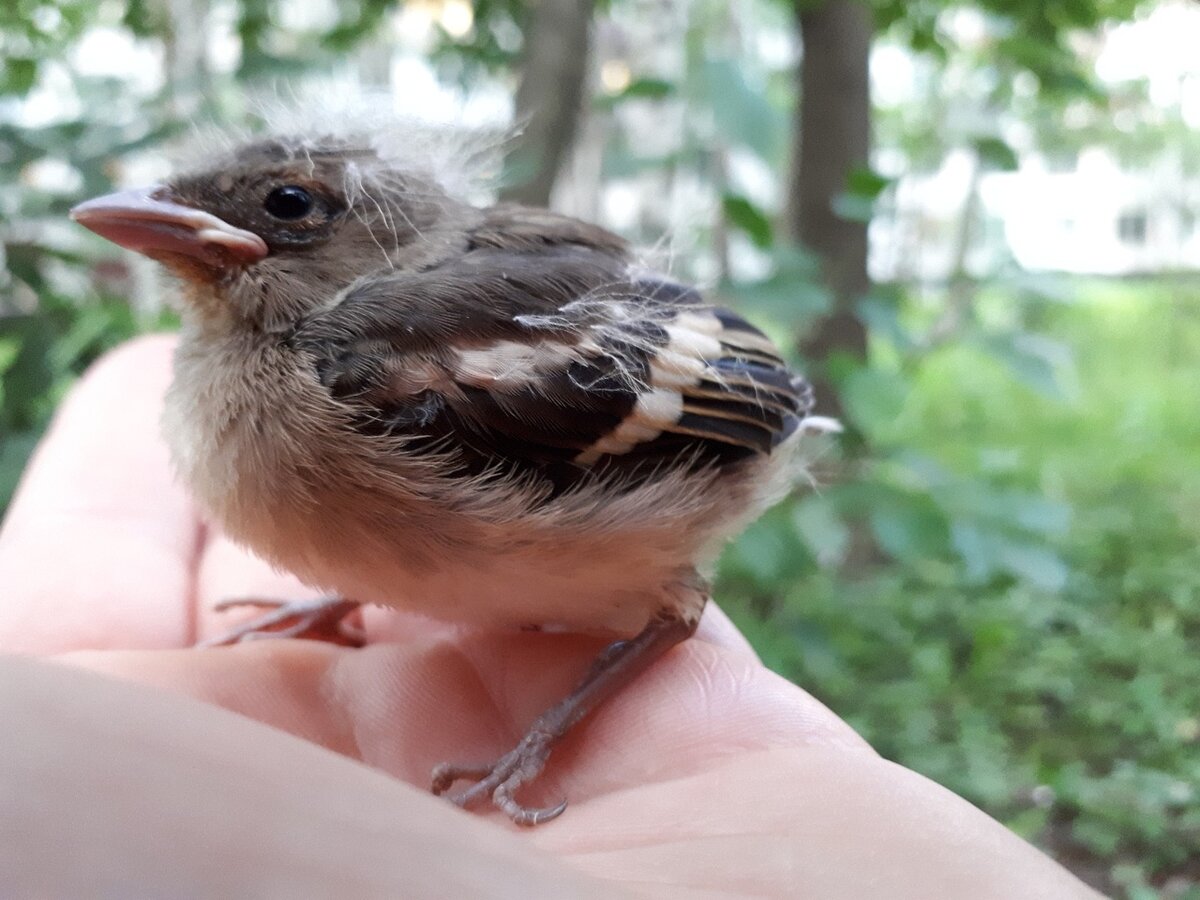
{"type": "Point", "coordinates": [464, 161]}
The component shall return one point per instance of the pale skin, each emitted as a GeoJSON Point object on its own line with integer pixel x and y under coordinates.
{"type": "Point", "coordinates": [709, 777]}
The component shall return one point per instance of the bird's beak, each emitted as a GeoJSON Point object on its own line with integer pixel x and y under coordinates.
{"type": "Point", "coordinates": [146, 221]}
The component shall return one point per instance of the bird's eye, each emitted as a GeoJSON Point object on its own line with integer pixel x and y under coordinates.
{"type": "Point", "coordinates": [289, 202]}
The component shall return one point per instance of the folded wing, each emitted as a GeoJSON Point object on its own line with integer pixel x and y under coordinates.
{"type": "Point", "coordinates": [555, 361]}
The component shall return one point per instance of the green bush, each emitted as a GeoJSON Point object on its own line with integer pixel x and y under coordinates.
{"type": "Point", "coordinates": [1028, 637]}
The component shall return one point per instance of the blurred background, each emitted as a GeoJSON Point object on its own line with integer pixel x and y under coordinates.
{"type": "Point", "coordinates": [975, 224]}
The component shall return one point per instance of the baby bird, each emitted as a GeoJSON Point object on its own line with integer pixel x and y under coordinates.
{"type": "Point", "coordinates": [486, 415]}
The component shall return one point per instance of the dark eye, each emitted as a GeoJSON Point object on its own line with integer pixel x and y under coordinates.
{"type": "Point", "coordinates": [289, 202]}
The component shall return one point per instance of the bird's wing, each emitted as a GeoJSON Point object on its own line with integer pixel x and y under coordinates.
{"type": "Point", "coordinates": [511, 226]}
{"type": "Point", "coordinates": [557, 359]}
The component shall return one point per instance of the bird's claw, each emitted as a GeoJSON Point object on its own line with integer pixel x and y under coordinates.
{"type": "Point", "coordinates": [501, 780]}
{"type": "Point", "coordinates": [321, 619]}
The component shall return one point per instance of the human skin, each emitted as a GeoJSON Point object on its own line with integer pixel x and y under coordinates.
{"type": "Point", "coordinates": [709, 777]}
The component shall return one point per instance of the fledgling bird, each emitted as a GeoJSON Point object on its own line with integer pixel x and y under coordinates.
{"type": "Point", "coordinates": [486, 415]}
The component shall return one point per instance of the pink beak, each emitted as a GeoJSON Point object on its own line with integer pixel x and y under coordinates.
{"type": "Point", "coordinates": [143, 221]}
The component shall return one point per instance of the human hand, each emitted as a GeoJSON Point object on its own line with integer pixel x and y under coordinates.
{"type": "Point", "coordinates": [708, 776]}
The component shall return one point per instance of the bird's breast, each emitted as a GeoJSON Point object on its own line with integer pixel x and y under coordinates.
{"type": "Point", "coordinates": [247, 429]}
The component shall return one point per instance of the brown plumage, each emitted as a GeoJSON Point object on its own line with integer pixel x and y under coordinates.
{"type": "Point", "coordinates": [486, 415]}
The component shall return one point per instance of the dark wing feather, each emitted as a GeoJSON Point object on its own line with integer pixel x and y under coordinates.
{"type": "Point", "coordinates": [556, 361]}
{"type": "Point", "coordinates": [511, 226]}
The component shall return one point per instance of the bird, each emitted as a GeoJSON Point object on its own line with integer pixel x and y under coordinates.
{"type": "Point", "coordinates": [488, 414]}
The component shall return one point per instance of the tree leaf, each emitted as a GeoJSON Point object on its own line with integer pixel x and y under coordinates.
{"type": "Point", "coordinates": [20, 74]}
{"type": "Point", "coordinates": [975, 551]}
{"type": "Point", "coordinates": [854, 207]}
{"type": "Point", "coordinates": [995, 154]}
{"type": "Point", "coordinates": [1034, 563]}
{"type": "Point", "coordinates": [1035, 360]}
{"type": "Point", "coordinates": [874, 398]}
{"type": "Point", "coordinates": [741, 110]}
{"type": "Point", "coordinates": [822, 530]}
{"type": "Point", "coordinates": [749, 218]}
{"type": "Point", "coordinates": [647, 89]}
{"type": "Point", "coordinates": [864, 182]}
{"type": "Point", "coordinates": [910, 527]}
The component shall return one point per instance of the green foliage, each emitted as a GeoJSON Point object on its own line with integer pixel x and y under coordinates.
{"type": "Point", "coordinates": [41, 354]}
{"type": "Point", "coordinates": [1028, 640]}
{"type": "Point", "coordinates": [1024, 36]}
{"type": "Point", "coordinates": [270, 48]}
{"type": "Point", "coordinates": [57, 310]}
{"type": "Point", "coordinates": [30, 30]}
{"type": "Point", "coordinates": [62, 303]}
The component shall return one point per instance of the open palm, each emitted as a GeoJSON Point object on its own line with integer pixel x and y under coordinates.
{"type": "Point", "coordinates": [710, 776]}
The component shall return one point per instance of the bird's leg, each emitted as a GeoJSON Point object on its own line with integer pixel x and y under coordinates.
{"type": "Point", "coordinates": [618, 665]}
{"type": "Point", "coordinates": [321, 619]}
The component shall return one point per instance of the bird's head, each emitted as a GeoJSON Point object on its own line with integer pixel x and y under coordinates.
{"type": "Point", "coordinates": [279, 227]}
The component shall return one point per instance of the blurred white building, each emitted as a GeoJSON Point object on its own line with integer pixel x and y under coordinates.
{"type": "Point", "coordinates": [1089, 214]}
{"type": "Point", "coordinates": [1097, 217]}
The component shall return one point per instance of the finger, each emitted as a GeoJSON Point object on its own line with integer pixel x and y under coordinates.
{"type": "Point", "coordinates": [284, 684]}
{"type": "Point", "coordinates": [717, 628]}
{"type": "Point", "coordinates": [98, 548]}
{"type": "Point", "coordinates": [112, 790]}
{"type": "Point", "coordinates": [699, 703]}
{"type": "Point", "coordinates": [405, 707]}
{"type": "Point", "coordinates": [766, 777]}
{"type": "Point", "coordinates": [805, 822]}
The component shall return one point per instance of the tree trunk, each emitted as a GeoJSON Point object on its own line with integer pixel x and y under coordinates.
{"type": "Point", "coordinates": [185, 35]}
{"type": "Point", "coordinates": [549, 97]}
{"type": "Point", "coordinates": [832, 137]}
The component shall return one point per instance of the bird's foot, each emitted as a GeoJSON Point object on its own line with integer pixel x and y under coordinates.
{"type": "Point", "coordinates": [616, 666]}
{"type": "Point", "coordinates": [322, 619]}
{"type": "Point", "coordinates": [501, 780]}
